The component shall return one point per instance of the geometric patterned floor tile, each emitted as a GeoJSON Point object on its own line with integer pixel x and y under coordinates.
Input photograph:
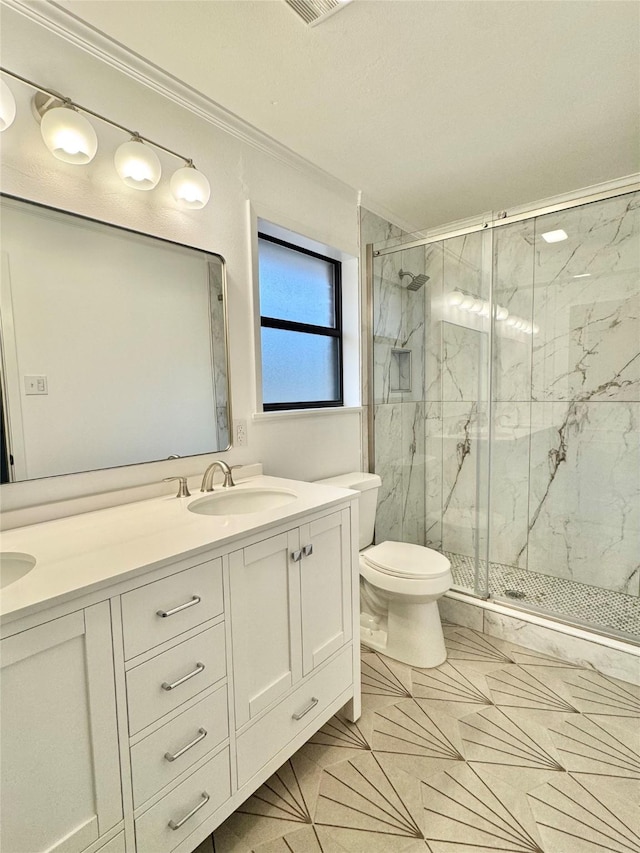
{"type": "Point", "coordinates": [576, 818]}
{"type": "Point", "coordinates": [529, 657]}
{"type": "Point", "coordinates": [601, 755]}
{"type": "Point", "coordinates": [498, 749]}
{"type": "Point", "coordinates": [383, 681]}
{"type": "Point", "coordinates": [406, 737]}
{"type": "Point", "coordinates": [588, 747]}
{"type": "Point", "coordinates": [466, 814]}
{"type": "Point", "coordinates": [309, 839]}
{"type": "Point", "coordinates": [456, 692]}
{"type": "Point", "coordinates": [285, 800]}
{"type": "Point", "coordinates": [466, 645]}
{"type": "Point", "coordinates": [510, 746]}
{"type": "Point", "coordinates": [366, 807]}
{"type": "Point", "coordinates": [517, 687]}
{"type": "Point", "coordinates": [594, 693]}
{"type": "Point", "coordinates": [340, 739]}
{"type": "Point", "coordinates": [341, 734]}
{"type": "Point", "coordinates": [407, 729]}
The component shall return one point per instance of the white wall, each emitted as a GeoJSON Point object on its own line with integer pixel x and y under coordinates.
{"type": "Point", "coordinates": [240, 170]}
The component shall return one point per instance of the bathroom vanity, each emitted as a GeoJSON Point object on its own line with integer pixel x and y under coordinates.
{"type": "Point", "coordinates": [159, 663]}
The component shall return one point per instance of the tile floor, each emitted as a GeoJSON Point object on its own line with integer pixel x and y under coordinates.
{"type": "Point", "coordinates": [606, 609]}
{"type": "Point", "coordinates": [498, 749]}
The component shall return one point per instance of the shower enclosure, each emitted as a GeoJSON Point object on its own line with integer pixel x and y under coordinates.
{"type": "Point", "coordinates": [504, 405]}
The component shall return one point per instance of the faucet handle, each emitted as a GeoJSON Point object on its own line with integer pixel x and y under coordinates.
{"type": "Point", "coordinates": [228, 477]}
{"type": "Point", "coordinates": [183, 489]}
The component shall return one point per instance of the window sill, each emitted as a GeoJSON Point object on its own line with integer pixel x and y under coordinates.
{"type": "Point", "coordinates": [305, 413]}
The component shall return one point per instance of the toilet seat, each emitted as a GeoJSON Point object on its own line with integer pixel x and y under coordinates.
{"type": "Point", "coordinates": [403, 560]}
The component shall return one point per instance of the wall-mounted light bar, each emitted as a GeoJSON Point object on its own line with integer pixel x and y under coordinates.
{"type": "Point", "coordinates": [70, 137]}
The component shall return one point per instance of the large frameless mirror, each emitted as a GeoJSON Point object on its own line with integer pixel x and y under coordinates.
{"type": "Point", "coordinates": [113, 343]}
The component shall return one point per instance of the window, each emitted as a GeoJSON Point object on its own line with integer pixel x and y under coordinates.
{"type": "Point", "coordinates": [301, 327]}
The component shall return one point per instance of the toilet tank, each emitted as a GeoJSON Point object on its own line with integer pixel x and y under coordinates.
{"type": "Point", "coordinates": [367, 485]}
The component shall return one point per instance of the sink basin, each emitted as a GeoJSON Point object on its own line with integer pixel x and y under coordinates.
{"type": "Point", "coordinates": [232, 502]}
{"type": "Point", "coordinates": [14, 566]}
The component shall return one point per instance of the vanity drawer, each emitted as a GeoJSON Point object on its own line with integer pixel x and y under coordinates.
{"type": "Point", "coordinates": [213, 780]}
{"type": "Point", "coordinates": [268, 735]}
{"type": "Point", "coordinates": [194, 733]}
{"type": "Point", "coordinates": [187, 598]}
{"type": "Point", "coordinates": [185, 670]}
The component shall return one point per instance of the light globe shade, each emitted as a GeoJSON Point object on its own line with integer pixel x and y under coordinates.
{"type": "Point", "coordinates": [138, 165]}
{"type": "Point", "coordinates": [68, 135]}
{"type": "Point", "coordinates": [7, 106]}
{"type": "Point", "coordinates": [190, 188]}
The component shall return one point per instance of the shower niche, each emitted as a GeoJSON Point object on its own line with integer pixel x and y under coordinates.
{"type": "Point", "coordinates": [400, 370]}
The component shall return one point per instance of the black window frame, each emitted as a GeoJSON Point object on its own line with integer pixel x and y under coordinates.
{"type": "Point", "coordinates": [322, 331]}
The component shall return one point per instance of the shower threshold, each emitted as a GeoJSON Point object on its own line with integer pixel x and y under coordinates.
{"type": "Point", "coordinates": [605, 610]}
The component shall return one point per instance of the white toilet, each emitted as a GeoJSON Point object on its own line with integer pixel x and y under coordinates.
{"type": "Point", "coordinates": [399, 586]}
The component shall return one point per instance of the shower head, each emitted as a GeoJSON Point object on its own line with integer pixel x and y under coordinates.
{"type": "Point", "coordinates": [416, 280]}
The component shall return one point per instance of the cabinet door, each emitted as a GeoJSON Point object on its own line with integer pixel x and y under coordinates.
{"type": "Point", "coordinates": [265, 622]}
{"type": "Point", "coordinates": [60, 767]}
{"type": "Point", "coordinates": [325, 581]}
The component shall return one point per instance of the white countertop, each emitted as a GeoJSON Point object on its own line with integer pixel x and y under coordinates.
{"type": "Point", "coordinates": [83, 553]}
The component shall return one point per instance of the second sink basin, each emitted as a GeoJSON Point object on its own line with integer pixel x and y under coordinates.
{"type": "Point", "coordinates": [13, 566]}
{"type": "Point", "coordinates": [232, 502]}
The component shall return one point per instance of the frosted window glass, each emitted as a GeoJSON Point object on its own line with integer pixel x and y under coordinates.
{"type": "Point", "coordinates": [298, 367]}
{"type": "Point", "coordinates": [295, 286]}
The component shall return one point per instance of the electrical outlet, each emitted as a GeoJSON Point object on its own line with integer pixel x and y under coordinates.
{"type": "Point", "coordinates": [240, 433]}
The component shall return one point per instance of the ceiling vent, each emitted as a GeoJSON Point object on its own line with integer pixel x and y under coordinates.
{"type": "Point", "coordinates": [314, 12]}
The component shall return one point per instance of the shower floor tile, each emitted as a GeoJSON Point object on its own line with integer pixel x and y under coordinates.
{"type": "Point", "coordinates": [498, 749]}
{"type": "Point", "coordinates": [601, 608]}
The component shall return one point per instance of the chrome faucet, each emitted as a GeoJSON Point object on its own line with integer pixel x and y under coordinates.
{"type": "Point", "coordinates": [207, 480]}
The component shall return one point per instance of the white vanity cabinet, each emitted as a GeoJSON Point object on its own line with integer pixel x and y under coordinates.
{"type": "Point", "coordinates": [60, 768]}
{"type": "Point", "coordinates": [291, 612]}
{"type": "Point", "coordinates": [137, 716]}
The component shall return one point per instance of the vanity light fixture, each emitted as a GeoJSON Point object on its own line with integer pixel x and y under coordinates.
{"type": "Point", "coordinates": [189, 187]}
{"type": "Point", "coordinates": [70, 137]}
{"type": "Point", "coordinates": [67, 133]}
{"type": "Point", "coordinates": [583, 275]}
{"type": "Point", "coordinates": [555, 236]}
{"type": "Point", "coordinates": [7, 106]}
{"type": "Point", "coordinates": [137, 164]}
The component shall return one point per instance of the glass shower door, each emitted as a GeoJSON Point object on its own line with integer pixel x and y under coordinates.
{"type": "Point", "coordinates": [431, 399]}
{"type": "Point", "coordinates": [565, 506]}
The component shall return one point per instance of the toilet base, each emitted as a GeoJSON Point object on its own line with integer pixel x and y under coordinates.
{"type": "Point", "coordinates": [413, 636]}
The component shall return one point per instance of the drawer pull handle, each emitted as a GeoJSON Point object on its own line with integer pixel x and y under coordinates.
{"type": "Point", "coordinates": [307, 550]}
{"type": "Point", "coordinates": [306, 710]}
{"type": "Point", "coordinates": [176, 824]}
{"type": "Point", "coordinates": [195, 600]}
{"type": "Point", "coordinates": [202, 733]}
{"type": "Point", "coordinates": [296, 556]}
{"type": "Point", "coordinates": [199, 668]}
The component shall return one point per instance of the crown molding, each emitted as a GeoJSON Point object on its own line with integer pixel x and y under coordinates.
{"type": "Point", "coordinates": [385, 213]}
{"type": "Point", "coordinates": [64, 24]}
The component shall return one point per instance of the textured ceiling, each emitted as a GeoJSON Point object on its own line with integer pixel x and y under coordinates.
{"type": "Point", "coordinates": [435, 110]}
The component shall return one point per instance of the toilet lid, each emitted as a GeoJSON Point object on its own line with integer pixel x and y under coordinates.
{"type": "Point", "coordinates": [403, 560]}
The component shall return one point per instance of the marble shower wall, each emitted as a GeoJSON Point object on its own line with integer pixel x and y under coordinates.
{"type": "Point", "coordinates": [584, 515]}
{"type": "Point", "coordinates": [399, 425]}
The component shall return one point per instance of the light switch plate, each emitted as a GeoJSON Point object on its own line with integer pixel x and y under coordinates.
{"type": "Point", "coordinates": [36, 385]}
